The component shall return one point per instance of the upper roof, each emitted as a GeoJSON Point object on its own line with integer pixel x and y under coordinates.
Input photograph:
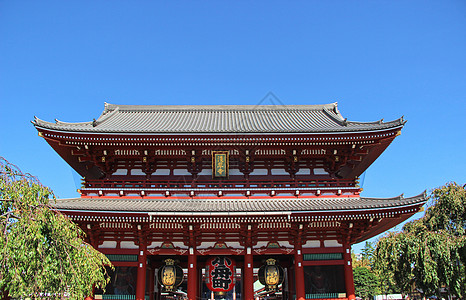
{"type": "Point", "coordinates": [234, 206]}
{"type": "Point", "coordinates": [187, 119]}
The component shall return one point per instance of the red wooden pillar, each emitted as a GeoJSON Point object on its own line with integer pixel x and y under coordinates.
{"type": "Point", "coordinates": [299, 272]}
{"type": "Point", "coordinates": [151, 283]}
{"type": "Point", "coordinates": [142, 265]}
{"type": "Point", "coordinates": [248, 282]}
{"type": "Point", "coordinates": [290, 278]}
{"type": "Point", "coordinates": [348, 268]}
{"type": "Point", "coordinates": [192, 274]}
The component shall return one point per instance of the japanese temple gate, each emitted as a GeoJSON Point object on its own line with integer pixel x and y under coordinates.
{"type": "Point", "coordinates": [226, 202]}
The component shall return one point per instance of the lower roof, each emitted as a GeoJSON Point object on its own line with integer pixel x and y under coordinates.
{"type": "Point", "coordinates": [232, 206]}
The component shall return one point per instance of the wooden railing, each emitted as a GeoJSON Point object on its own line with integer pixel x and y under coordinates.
{"type": "Point", "coordinates": [219, 187]}
{"type": "Point", "coordinates": [224, 184]}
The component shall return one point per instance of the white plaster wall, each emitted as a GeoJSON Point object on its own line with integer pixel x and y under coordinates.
{"type": "Point", "coordinates": [112, 194]}
{"type": "Point", "coordinates": [320, 171]}
{"type": "Point", "coordinates": [332, 243]}
{"type": "Point", "coordinates": [279, 172]}
{"type": "Point", "coordinates": [304, 171]}
{"type": "Point", "coordinates": [120, 172]}
{"type": "Point", "coordinates": [205, 245]}
{"type": "Point", "coordinates": [285, 244]}
{"type": "Point", "coordinates": [180, 245]}
{"type": "Point", "coordinates": [154, 244]}
{"type": "Point", "coordinates": [128, 245]}
{"type": "Point", "coordinates": [260, 245]}
{"type": "Point", "coordinates": [235, 245]}
{"type": "Point", "coordinates": [181, 172]}
{"type": "Point", "coordinates": [206, 172]}
{"type": "Point", "coordinates": [108, 244]}
{"type": "Point", "coordinates": [312, 244]}
{"type": "Point", "coordinates": [259, 172]}
{"type": "Point", "coordinates": [234, 172]}
{"type": "Point", "coordinates": [162, 172]}
{"type": "Point", "coordinates": [137, 172]}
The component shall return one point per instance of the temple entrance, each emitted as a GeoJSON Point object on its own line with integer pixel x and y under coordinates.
{"type": "Point", "coordinates": [234, 294]}
{"type": "Point", "coordinates": [220, 277]}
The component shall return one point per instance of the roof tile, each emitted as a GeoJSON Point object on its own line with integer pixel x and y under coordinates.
{"type": "Point", "coordinates": [219, 119]}
{"type": "Point", "coordinates": [233, 205]}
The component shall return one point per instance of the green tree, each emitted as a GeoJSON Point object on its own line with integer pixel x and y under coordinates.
{"type": "Point", "coordinates": [430, 251]}
{"type": "Point", "coordinates": [366, 283]}
{"type": "Point", "coordinates": [42, 252]}
{"type": "Point", "coordinates": [366, 279]}
{"type": "Point", "coordinates": [367, 258]}
{"type": "Point", "coordinates": [368, 254]}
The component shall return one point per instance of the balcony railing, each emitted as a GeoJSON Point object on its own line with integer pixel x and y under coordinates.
{"type": "Point", "coordinates": [218, 187]}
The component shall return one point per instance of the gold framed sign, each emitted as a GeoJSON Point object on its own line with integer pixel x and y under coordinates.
{"type": "Point", "coordinates": [220, 164]}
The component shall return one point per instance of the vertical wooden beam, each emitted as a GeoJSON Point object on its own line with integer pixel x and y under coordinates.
{"type": "Point", "coordinates": [348, 270]}
{"type": "Point", "coordinates": [142, 266]}
{"type": "Point", "coordinates": [290, 283]}
{"type": "Point", "coordinates": [299, 272]}
{"type": "Point", "coordinates": [248, 268]}
{"type": "Point", "coordinates": [151, 283]}
{"type": "Point", "coordinates": [248, 282]}
{"type": "Point", "coordinates": [192, 274]}
{"type": "Point", "coordinates": [192, 266]}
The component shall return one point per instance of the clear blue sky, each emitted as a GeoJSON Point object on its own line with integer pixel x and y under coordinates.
{"type": "Point", "coordinates": [378, 59]}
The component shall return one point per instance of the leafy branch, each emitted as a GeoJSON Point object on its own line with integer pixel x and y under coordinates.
{"type": "Point", "coordinates": [43, 252]}
{"type": "Point", "coordinates": [429, 252]}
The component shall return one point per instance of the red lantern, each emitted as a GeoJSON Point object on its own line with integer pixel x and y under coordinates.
{"type": "Point", "coordinates": [220, 273]}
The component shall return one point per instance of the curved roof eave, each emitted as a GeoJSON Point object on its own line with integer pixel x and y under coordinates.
{"type": "Point", "coordinates": [244, 206]}
{"type": "Point", "coordinates": [203, 119]}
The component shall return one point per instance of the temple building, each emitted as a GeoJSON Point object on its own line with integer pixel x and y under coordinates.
{"type": "Point", "coordinates": [226, 201]}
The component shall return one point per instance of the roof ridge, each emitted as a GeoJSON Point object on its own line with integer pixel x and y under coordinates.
{"type": "Point", "coordinates": [380, 122]}
{"type": "Point", "coordinates": [421, 196]}
{"type": "Point", "coordinates": [272, 107]}
{"type": "Point", "coordinates": [40, 122]}
{"type": "Point", "coordinates": [335, 115]}
{"type": "Point", "coordinates": [106, 115]}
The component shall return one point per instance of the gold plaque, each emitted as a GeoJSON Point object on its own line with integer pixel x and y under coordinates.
{"type": "Point", "coordinates": [220, 164]}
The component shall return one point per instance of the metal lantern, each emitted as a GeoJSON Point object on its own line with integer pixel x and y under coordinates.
{"type": "Point", "coordinates": [170, 276]}
{"type": "Point", "coordinates": [271, 275]}
{"type": "Point", "coordinates": [220, 272]}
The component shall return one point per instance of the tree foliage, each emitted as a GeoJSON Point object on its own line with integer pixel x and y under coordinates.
{"type": "Point", "coordinates": [42, 252]}
{"type": "Point", "coordinates": [430, 251]}
{"type": "Point", "coordinates": [367, 256]}
{"type": "Point", "coordinates": [366, 279]}
{"type": "Point", "coordinates": [366, 282]}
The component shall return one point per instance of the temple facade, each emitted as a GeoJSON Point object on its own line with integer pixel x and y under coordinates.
{"type": "Point", "coordinates": [226, 202]}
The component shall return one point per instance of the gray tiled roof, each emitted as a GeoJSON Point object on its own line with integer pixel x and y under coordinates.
{"type": "Point", "coordinates": [181, 119]}
{"type": "Point", "coordinates": [221, 205]}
